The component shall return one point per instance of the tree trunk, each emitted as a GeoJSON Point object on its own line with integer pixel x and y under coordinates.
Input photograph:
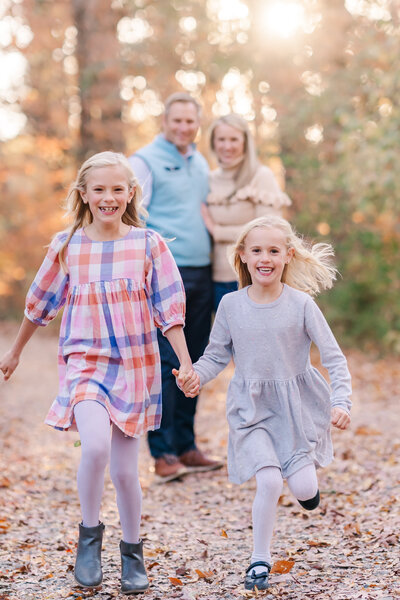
{"type": "Point", "coordinates": [97, 54]}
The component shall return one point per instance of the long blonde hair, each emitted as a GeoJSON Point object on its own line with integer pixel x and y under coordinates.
{"type": "Point", "coordinates": [80, 212]}
{"type": "Point", "coordinates": [250, 164]}
{"type": "Point", "coordinates": [310, 269]}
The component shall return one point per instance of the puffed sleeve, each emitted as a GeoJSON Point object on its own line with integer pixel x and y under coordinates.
{"type": "Point", "coordinates": [219, 350]}
{"type": "Point", "coordinates": [332, 358]}
{"type": "Point", "coordinates": [48, 292]}
{"type": "Point", "coordinates": [164, 283]}
{"type": "Point", "coordinates": [265, 192]}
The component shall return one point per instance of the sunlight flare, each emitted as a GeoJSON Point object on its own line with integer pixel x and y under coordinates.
{"type": "Point", "coordinates": [283, 19]}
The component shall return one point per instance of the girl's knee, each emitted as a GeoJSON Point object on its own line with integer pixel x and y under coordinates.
{"type": "Point", "coordinates": [96, 455]}
{"type": "Point", "coordinates": [123, 478]}
{"type": "Point", "coordinates": [269, 481]}
{"type": "Point", "coordinates": [304, 484]}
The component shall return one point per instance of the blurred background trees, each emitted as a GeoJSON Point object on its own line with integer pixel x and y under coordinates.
{"type": "Point", "coordinates": [317, 80]}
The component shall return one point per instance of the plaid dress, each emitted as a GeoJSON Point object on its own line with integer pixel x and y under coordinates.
{"type": "Point", "coordinates": [115, 294]}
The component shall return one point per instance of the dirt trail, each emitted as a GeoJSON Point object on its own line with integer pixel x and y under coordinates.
{"type": "Point", "coordinates": [197, 531]}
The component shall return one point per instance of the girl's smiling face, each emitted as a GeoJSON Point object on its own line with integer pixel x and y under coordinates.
{"type": "Point", "coordinates": [266, 254]}
{"type": "Point", "coordinates": [107, 193]}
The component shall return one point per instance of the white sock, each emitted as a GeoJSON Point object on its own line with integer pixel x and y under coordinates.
{"type": "Point", "coordinates": [269, 488]}
{"type": "Point", "coordinates": [93, 424]}
{"type": "Point", "coordinates": [125, 476]}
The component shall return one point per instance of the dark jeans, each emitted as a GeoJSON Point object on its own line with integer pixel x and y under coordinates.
{"type": "Point", "coordinates": [176, 434]}
{"type": "Point", "coordinates": [220, 288]}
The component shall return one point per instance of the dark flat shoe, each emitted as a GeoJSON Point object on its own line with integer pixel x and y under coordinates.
{"type": "Point", "coordinates": [252, 580]}
{"type": "Point", "coordinates": [311, 503]}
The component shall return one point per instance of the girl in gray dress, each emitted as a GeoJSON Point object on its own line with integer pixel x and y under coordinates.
{"type": "Point", "coordinates": [279, 407]}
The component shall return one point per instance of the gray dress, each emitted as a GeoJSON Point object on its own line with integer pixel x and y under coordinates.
{"type": "Point", "coordinates": [278, 404]}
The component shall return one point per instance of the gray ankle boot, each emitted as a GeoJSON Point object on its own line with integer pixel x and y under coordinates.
{"type": "Point", "coordinates": [88, 571]}
{"type": "Point", "coordinates": [133, 579]}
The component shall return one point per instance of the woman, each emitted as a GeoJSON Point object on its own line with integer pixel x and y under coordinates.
{"type": "Point", "coordinates": [241, 189]}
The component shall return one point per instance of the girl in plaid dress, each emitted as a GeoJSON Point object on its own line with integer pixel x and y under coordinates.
{"type": "Point", "coordinates": [117, 282]}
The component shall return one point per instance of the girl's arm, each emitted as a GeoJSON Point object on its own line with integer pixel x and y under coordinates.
{"type": "Point", "coordinates": [333, 359]}
{"type": "Point", "coordinates": [219, 350]}
{"type": "Point", "coordinates": [187, 379]}
{"type": "Point", "coordinates": [176, 338]}
{"type": "Point", "coordinates": [10, 361]}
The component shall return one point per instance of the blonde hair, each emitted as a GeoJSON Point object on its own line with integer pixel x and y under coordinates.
{"type": "Point", "coordinates": [310, 269]}
{"type": "Point", "coordinates": [250, 163]}
{"type": "Point", "coordinates": [80, 212]}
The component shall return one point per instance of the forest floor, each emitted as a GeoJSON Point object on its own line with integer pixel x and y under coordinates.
{"type": "Point", "coordinates": [197, 531]}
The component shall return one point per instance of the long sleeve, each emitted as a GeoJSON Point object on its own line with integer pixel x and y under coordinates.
{"type": "Point", "coordinates": [266, 193]}
{"type": "Point", "coordinates": [332, 358]}
{"type": "Point", "coordinates": [164, 283]}
{"type": "Point", "coordinates": [219, 350]}
{"type": "Point", "coordinates": [144, 177]}
{"type": "Point", "coordinates": [48, 292]}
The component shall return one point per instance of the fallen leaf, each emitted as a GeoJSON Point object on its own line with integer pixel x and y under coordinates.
{"type": "Point", "coordinates": [365, 430]}
{"type": "Point", "coordinates": [206, 575]}
{"type": "Point", "coordinates": [223, 533]}
{"type": "Point", "coordinates": [317, 543]}
{"type": "Point", "coordinates": [282, 566]}
{"type": "Point", "coordinates": [352, 528]}
{"type": "Point", "coordinates": [175, 581]}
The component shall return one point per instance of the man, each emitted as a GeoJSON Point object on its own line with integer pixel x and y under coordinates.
{"type": "Point", "coordinates": [174, 178]}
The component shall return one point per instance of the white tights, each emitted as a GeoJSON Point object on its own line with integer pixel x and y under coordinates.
{"type": "Point", "coordinates": [98, 447]}
{"type": "Point", "coordinates": [303, 484]}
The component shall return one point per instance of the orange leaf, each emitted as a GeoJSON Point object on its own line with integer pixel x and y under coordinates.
{"type": "Point", "coordinates": [352, 528]}
{"type": "Point", "coordinates": [175, 581]}
{"type": "Point", "coordinates": [223, 533]}
{"type": "Point", "coordinates": [4, 525]}
{"type": "Point", "coordinates": [365, 430]}
{"type": "Point", "coordinates": [282, 566]}
{"type": "Point", "coordinates": [317, 544]}
{"type": "Point", "coordinates": [205, 575]}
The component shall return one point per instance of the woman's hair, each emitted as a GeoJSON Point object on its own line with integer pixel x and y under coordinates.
{"type": "Point", "coordinates": [310, 269]}
{"type": "Point", "coordinates": [250, 163]}
{"type": "Point", "coordinates": [80, 212]}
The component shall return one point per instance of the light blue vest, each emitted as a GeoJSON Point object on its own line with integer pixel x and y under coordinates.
{"type": "Point", "coordinates": [180, 185]}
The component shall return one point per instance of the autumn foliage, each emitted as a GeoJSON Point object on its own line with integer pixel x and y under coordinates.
{"type": "Point", "coordinates": [322, 104]}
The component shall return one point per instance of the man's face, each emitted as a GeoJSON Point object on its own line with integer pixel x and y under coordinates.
{"type": "Point", "coordinates": [180, 125]}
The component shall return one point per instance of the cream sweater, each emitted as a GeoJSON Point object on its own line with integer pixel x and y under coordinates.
{"type": "Point", "coordinates": [260, 197]}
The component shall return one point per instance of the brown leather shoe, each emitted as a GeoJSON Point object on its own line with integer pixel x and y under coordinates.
{"type": "Point", "coordinates": [196, 461]}
{"type": "Point", "coordinates": [168, 467]}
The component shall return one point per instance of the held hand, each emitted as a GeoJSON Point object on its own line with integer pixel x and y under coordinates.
{"type": "Point", "coordinates": [340, 418]}
{"type": "Point", "coordinates": [8, 364]}
{"type": "Point", "coordinates": [187, 381]}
